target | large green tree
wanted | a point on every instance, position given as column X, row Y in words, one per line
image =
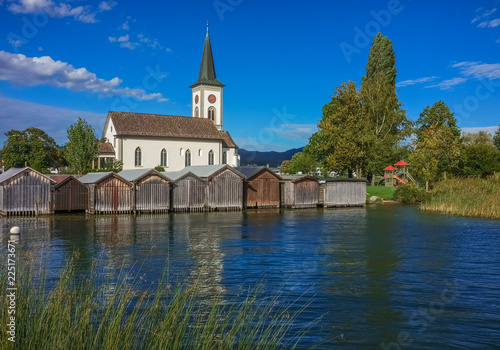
column 480, row 156
column 302, row 162
column 33, row 146
column 385, row 123
column 338, row 144
column 440, row 117
column 82, row 147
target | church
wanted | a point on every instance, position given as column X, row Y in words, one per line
column 142, row 140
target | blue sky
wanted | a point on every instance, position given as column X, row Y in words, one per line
column 280, row 60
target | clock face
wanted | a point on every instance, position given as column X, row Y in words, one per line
column 196, row 99
column 212, row 98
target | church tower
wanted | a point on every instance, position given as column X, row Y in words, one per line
column 207, row 91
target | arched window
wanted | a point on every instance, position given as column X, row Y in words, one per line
column 138, row 156
column 163, row 157
column 211, row 157
column 188, row 158
column 199, row 152
column 224, row 158
column 211, row 113
column 197, row 112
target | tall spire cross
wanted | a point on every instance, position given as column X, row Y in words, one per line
column 207, row 67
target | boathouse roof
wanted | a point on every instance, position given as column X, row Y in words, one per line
column 137, row 174
column 251, row 171
column 15, row 171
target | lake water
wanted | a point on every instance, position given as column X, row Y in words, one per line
column 382, row 277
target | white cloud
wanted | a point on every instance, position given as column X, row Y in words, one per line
column 83, row 13
column 490, row 24
column 40, row 48
column 300, row 132
column 479, row 70
column 32, row 71
column 169, row 50
column 483, row 15
column 129, row 45
column 15, row 43
column 123, row 38
column 415, row 81
column 112, row 39
column 125, row 26
column 53, row 120
column 448, row 84
column 107, row 5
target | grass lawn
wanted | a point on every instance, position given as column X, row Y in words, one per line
column 380, row 191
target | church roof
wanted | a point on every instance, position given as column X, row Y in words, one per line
column 227, row 140
column 106, row 148
column 207, row 68
column 142, row 124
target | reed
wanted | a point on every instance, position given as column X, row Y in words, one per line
column 79, row 312
column 475, row 197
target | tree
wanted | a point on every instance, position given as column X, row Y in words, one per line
column 82, row 147
column 496, row 138
column 385, row 123
column 285, row 167
column 33, row 146
column 481, row 157
column 436, row 145
column 302, row 162
column 437, row 117
column 338, row 143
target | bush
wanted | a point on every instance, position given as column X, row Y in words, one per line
column 159, row 168
column 410, row 194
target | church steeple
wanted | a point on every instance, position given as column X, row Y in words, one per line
column 207, row 91
column 207, row 68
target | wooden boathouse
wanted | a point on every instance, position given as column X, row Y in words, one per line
column 151, row 190
column 109, row 193
column 24, row 191
column 69, row 194
column 187, row 192
column 342, row 192
column 299, row 191
column 261, row 187
column 224, row 186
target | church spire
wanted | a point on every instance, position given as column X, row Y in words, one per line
column 207, row 68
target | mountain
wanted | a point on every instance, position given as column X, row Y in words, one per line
column 271, row 158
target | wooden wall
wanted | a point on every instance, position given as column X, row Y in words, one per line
column 302, row 193
column 263, row 191
column 71, row 195
column 27, row 193
column 344, row 193
column 152, row 194
column 225, row 191
column 111, row 195
column 188, row 194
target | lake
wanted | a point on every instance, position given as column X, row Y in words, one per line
column 382, row 277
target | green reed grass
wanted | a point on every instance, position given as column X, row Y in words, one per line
column 80, row 313
column 467, row 197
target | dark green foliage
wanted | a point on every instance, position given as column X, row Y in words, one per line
column 285, row 167
column 439, row 114
column 382, row 59
column 33, row 146
column 159, row 168
column 82, row 147
column 302, row 162
column 480, row 156
column 410, row 194
column 496, row 138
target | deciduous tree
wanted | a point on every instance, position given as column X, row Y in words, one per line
column 496, row 138
column 82, row 147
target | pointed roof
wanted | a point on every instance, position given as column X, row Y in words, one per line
column 390, row 167
column 401, row 162
column 207, row 68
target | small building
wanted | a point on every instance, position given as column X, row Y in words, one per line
column 24, row 191
column 299, row 191
column 151, row 190
column 389, row 179
column 109, row 193
column 224, row 186
column 342, row 192
column 69, row 194
column 188, row 191
column 261, row 188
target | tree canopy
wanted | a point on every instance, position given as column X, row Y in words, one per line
column 82, row 147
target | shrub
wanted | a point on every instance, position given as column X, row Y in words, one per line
column 159, row 168
column 410, row 194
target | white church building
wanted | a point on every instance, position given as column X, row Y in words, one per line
column 142, row 140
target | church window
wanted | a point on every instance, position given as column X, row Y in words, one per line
column 197, row 112
column 211, row 113
column 211, row 158
column 163, row 157
column 224, row 158
column 188, row 158
column 199, row 152
column 180, row 152
column 138, row 156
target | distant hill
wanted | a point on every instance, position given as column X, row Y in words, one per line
column 272, row 158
